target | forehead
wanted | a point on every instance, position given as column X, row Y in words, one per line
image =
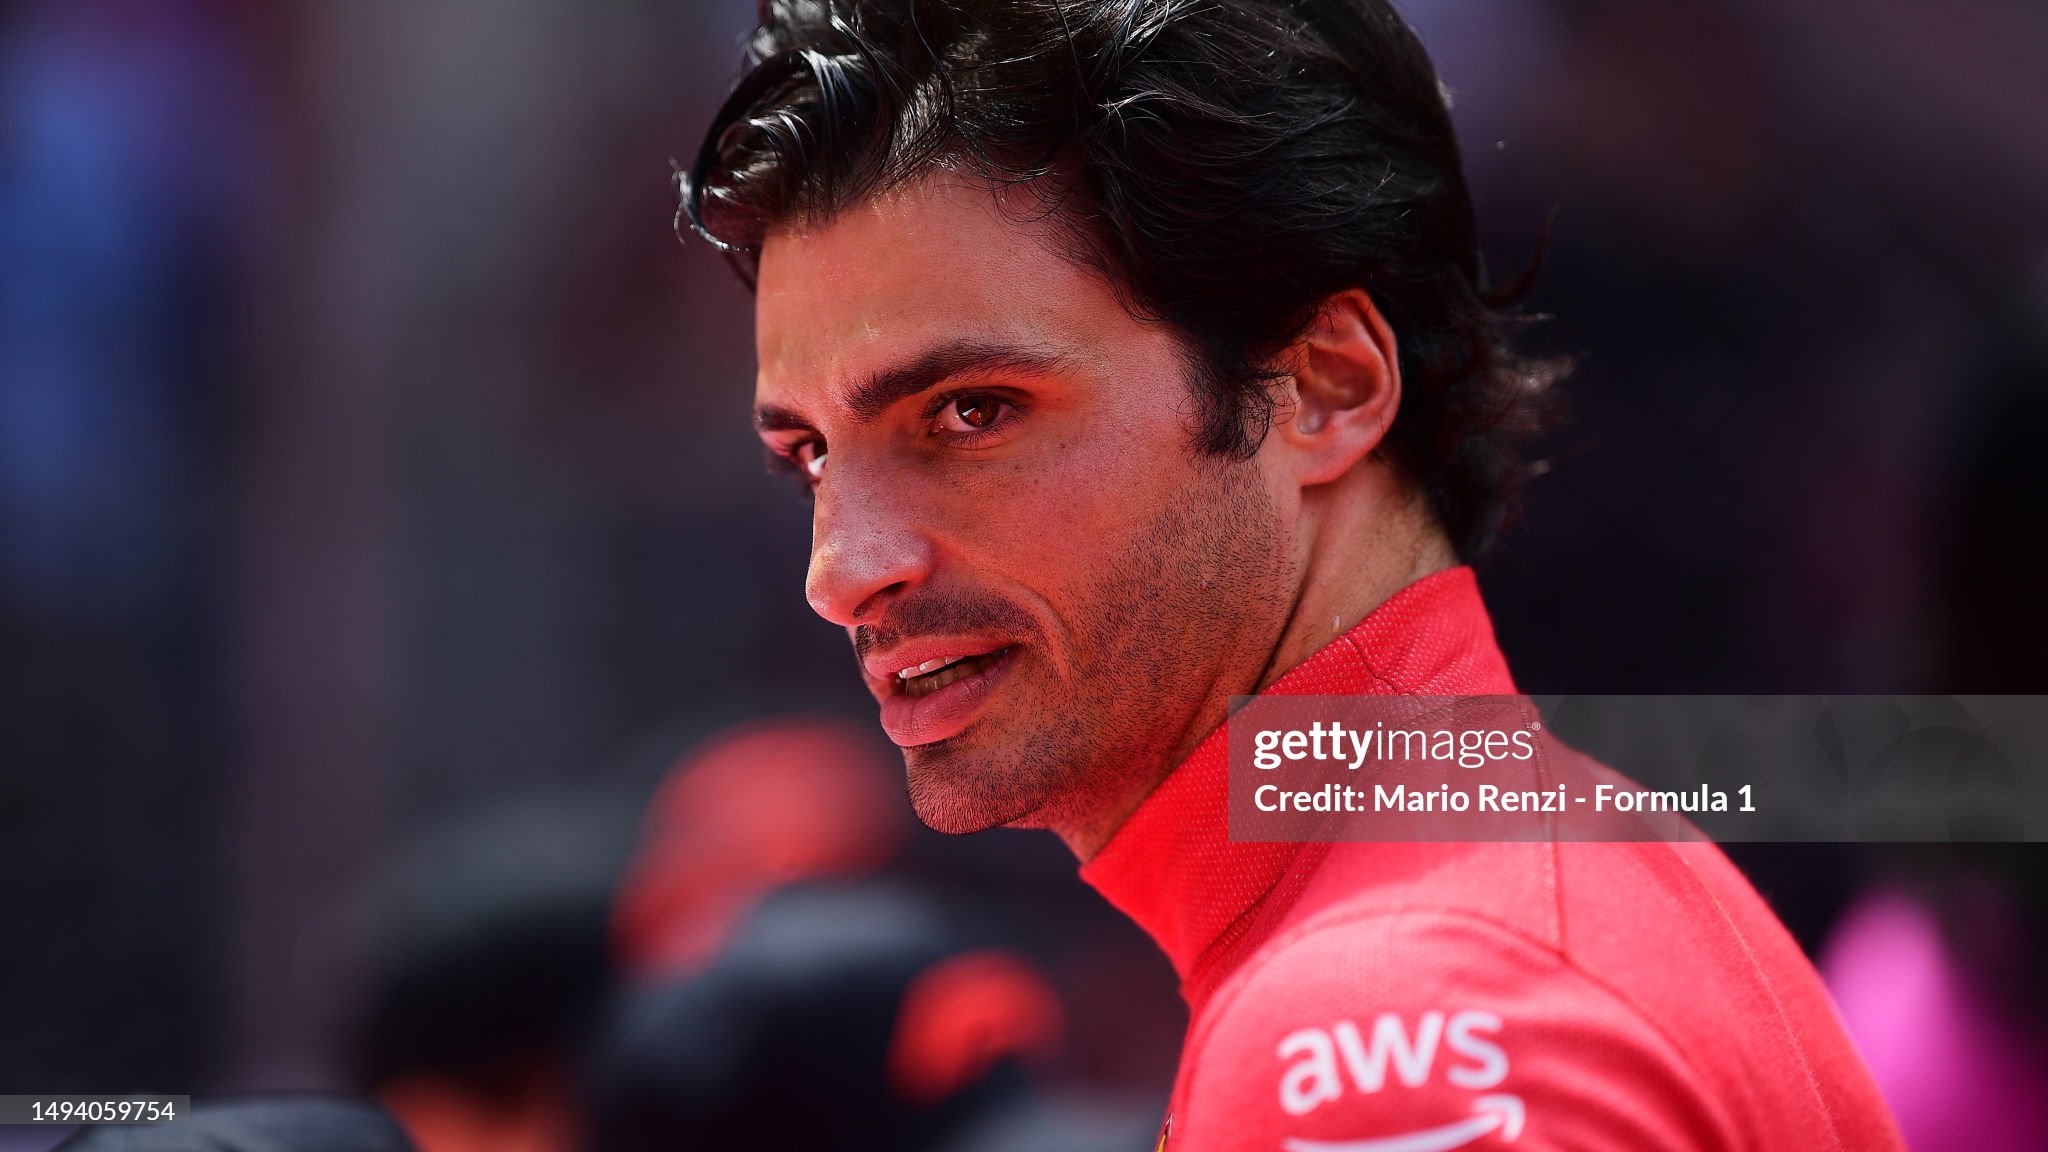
column 935, row 261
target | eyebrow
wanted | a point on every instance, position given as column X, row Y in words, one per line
column 933, row 367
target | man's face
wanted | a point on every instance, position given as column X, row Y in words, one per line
column 1009, row 507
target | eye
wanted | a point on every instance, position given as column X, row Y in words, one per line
column 803, row 460
column 970, row 414
column 809, row 458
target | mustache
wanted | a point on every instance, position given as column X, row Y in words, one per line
column 941, row 613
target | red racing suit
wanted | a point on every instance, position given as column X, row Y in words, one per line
column 1396, row 997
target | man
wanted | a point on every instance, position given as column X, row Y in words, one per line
column 1136, row 355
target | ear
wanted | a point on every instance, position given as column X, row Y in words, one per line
column 1345, row 389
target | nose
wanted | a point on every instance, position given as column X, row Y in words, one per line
column 866, row 548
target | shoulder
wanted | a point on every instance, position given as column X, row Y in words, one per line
column 1388, row 1021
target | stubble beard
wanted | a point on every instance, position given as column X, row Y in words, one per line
column 1175, row 610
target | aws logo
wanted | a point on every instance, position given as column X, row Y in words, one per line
column 1320, row 1062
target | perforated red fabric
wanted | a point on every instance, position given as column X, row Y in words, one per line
column 1416, row 997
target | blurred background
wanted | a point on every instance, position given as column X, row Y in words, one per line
column 383, row 545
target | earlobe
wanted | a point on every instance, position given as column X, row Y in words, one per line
column 1346, row 387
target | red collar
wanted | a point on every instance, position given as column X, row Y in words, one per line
column 1172, row 868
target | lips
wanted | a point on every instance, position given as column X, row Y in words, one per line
column 940, row 695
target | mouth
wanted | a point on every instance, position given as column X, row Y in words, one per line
column 939, row 698
column 933, row 675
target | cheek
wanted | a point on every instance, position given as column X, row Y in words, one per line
column 1061, row 508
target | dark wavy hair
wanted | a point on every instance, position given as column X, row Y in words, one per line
column 1228, row 165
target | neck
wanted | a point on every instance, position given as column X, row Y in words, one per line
column 1367, row 536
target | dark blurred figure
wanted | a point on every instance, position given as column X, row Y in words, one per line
column 843, row 1018
column 790, row 983
column 529, row 989
column 757, row 806
column 266, row 1124
column 488, row 968
column 782, row 799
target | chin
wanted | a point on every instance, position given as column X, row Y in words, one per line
column 950, row 820
column 956, row 791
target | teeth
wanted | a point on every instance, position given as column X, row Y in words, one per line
column 927, row 666
column 933, row 675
